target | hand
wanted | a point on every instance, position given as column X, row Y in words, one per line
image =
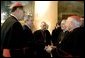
column 6, row 53
column 53, row 47
column 48, row 48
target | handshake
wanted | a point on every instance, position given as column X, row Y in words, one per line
column 49, row 48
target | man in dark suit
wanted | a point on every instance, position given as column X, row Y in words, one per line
column 73, row 43
column 12, row 32
column 28, row 37
column 55, row 34
column 60, row 34
column 42, row 38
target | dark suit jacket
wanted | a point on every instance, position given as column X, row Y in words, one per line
column 73, row 43
column 55, row 34
column 40, row 39
column 11, row 34
column 28, row 37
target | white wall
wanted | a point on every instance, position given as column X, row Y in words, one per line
column 45, row 11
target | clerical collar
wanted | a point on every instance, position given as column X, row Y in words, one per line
column 64, row 30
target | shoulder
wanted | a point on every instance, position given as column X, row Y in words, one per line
column 47, row 31
column 77, row 30
column 17, row 26
column 24, row 27
column 37, row 31
column 10, row 21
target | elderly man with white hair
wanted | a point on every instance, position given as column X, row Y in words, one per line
column 73, row 22
column 42, row 39
column 28, row 37
column 57, row 41
column 73, row 43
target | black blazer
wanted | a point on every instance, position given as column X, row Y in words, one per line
column 28, row 37
column 11, row 33
column 55, row 35
column 73, row 43
column 39, row 37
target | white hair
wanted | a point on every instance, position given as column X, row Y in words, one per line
column 72, row 23
column 77, row 23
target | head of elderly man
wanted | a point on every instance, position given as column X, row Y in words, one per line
column 28, row 20
column 73, row 22
column 44, row 25
column 17, row 10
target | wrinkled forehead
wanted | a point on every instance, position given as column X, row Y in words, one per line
column 69, row 19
